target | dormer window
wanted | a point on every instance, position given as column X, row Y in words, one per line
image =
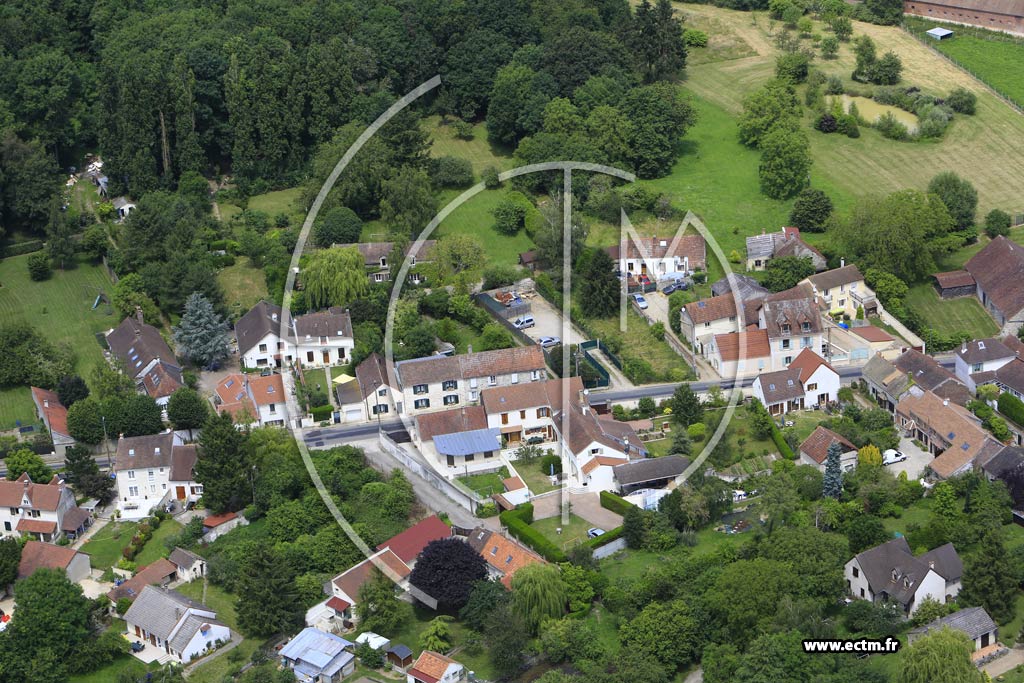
column 806, row 326
column 906, row 582
column 383, row 261
column 785, row 328
column 895, row 575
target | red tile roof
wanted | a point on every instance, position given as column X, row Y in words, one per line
column 872, row 333
column 954, row 278
column 353, row 579
column 337, row 604
column 430, row 667
column 715, row 308
column 807, row 362
column 451, row 421
column 753, row 343
column 37, row 555
column 55, row 415
column 42, row 496
column 817, row 444
column 36, row 526
column 411, row 542
column 154, row 573
column 504, row 554
column 234, row 399
column 216, row 520
column 267, row 390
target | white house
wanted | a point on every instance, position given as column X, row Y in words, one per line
column 323, row 339
column 189, row 565
column 379, row 397
column 431, row 667
column 39, row 511
column 814, row 450
column 658, row 256
column 319, row 657
column 701, row 320
column 345, row 586
column 259, row 342
column 440, row 382
column 890, row 572
column 146, row 358
column 819, row 380
column 740, row 354
column 150, row 470
column 183, row 628
column 780, row 392
column 785, row 242
column 793, row 323
column 252, row 399
column 982, row 355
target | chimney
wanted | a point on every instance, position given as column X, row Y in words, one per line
column 945, row 401
column 138, row 316
column 963, row 347
column 931, row 564
column 46, row 403
column 842, row 262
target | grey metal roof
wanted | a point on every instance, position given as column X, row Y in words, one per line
column 159, row 610
column 760, row 246
column 974, row 621
column 468, row 443
column 188, row 629
column 650, row 469
column 322, row 652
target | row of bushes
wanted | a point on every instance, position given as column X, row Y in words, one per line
column 518, row 521
column 22, row 248
column 142, row 536
column 1012, row 407
column 321, row 413
column 617, row 504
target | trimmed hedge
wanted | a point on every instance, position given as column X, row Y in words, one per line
column 22, row 248
column 780, row 442
column 321, row 413
column 518, row 527
column 605, row 538
column 1012, row 407
column 617, row 504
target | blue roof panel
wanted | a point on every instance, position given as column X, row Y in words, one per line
column 468, row 443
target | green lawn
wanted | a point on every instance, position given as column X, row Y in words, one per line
column 538, row 482
column 280, row 201
column 217, row 599
column 486, row 484
column 995, row 58
column 479, row 151
column 226, row 666
column 474, row 218
column 572, row 533
column 60, row 306
column 951, row 316
column 639, row 342
column 16, row 406
column 155, row 548
column 243, row 286
column 919, row 513
column 113, row 671
column 104, row 548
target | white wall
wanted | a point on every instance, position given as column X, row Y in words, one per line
column 827, row 381
column 200, row 642
column 254, row 357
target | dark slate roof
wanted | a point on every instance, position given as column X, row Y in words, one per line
column 974, row 621
column 74, row 518
column 1012, row 375
column 372, row 374
column 954, row 279
column 183, row 462
column 945, row 561
column 650, row 469
column 140, row 452
column 136, row 344
column 183, row 558
column 159, row 610
column 793, row 307
column 983, row 350
column 929, row 375
column 334, row 322
column 782, row 385
column 747, row 287
column 1007, row 459
column 999, row 270
column 400, row 651
column 261, row 320
column 835, row 277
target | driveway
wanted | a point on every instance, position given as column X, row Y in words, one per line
column 548, row 322
column 917, row 460
column 585, row 505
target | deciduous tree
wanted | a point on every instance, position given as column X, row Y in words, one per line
column 943, row 655
column 687, row 408
column 811, row 210
column 446, row 571
column 24, row 461
column 334, row 277
column 339, row 225
column 70, row 389
column 538, row 593
column 959, row 196
column 186, row 409
column 666, row 631
column 785, row 161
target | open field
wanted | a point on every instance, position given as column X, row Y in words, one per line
column 987, row 149
column 280, row 201
column 479, row 151
column 243, row 286
column 994, row 58
column 16, row 407
column 952, row 316
column 474, row 218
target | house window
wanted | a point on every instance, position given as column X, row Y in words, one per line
column 595, row 451
column 263, row 348
column 787, row 360
column 150, row 473
column 152, row 488
column 842, row 302
column 544, row 412
column 515, row 378
column 14, row 512
column 491, row 380
column 707, row 324
column 382, row 392
column 805, row 343
column 280, row 346
column 472, row 382
column 378, row 277
column 449, row 385
column 133, row 491
column 535, row 375
column 34, row 514
column 419, row 389
column 785, row 328
column 473, row 395
column 812, row 387
column 522, row 414
column 131, row 474
column 380, row 409
column 785, row 344
column 7, row 526
column 421, row 403
column 383, row 261
column 806, row 326
column 309, row 356
column 272, row 407
column 976, row 367
column 261, row 361
column 451, row 399
column 504, row 418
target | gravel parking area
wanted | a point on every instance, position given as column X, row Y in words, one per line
column 548, row 322
column 917, row 460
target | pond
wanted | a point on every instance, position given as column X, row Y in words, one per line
column 872, row 111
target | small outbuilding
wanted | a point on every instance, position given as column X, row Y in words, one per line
column 972, row 621
column 939, row 33
column 955, row 283
column 399, row 657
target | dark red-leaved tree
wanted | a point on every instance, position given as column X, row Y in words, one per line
column 446, row 570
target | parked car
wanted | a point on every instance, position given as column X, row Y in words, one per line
column 644, row 280
column 892, row 456
column 523, row 322
column 594, row 532
column 548, row 342
column 641, row 302
column 677, row 285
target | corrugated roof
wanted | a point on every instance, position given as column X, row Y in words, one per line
column 462, row 419
column 468, row 443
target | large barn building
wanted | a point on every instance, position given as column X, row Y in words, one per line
column 997, row 15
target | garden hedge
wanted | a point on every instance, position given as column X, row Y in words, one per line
column 321, row 413
column 519, row 528
column 605, row 538
column 1012, row 407
column 617, row 504
column 22, row 248
column 780, row 443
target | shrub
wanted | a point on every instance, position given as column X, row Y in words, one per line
column 463, row 129
column 694, row 38
column 962, row 101
column 518, row 526
column 490, row 177
column 834, row 86
column 826, row 123
column 890, row 128
column 39, row 267
column 22, row 248
column 488, row 509
column 449, row 171
column 997, row 222
column 697, row 431
column 1012, row 407
column 123, row 604
column 617, row 504
column 604, row 539
column 321, row 413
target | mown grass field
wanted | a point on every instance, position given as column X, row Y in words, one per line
column 243, row 286
column 987, row 149
column 105, row 546
column 62, row 308
column 995, row 58
column 952, row 316
column 280, row 201
column 474, row 218
column 479, row 151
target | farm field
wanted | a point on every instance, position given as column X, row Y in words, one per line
column 987, row 149
column 993, row 57
column 952, row 316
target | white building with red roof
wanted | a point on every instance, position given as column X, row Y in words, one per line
column 55, row 416
column 40, row 511
column 431, row 667
column 252, row 399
